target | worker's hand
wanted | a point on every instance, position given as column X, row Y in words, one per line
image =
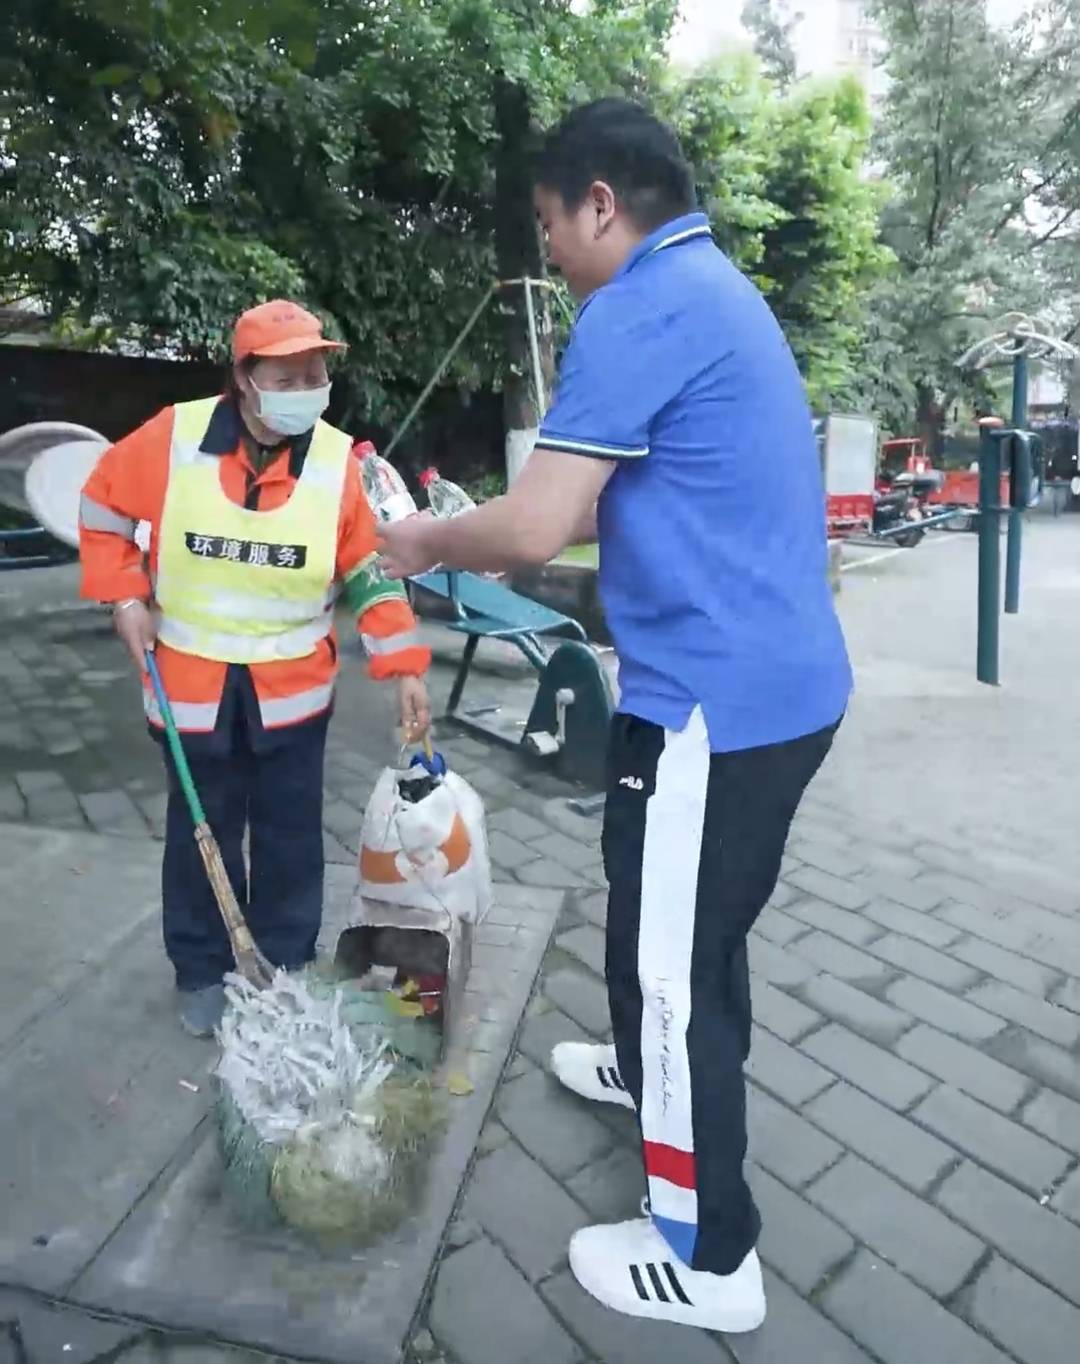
column 137, row 627
column 414, row 708
column 408, row 548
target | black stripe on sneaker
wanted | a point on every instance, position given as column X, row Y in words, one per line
column 642, row 1291
column 657, row 1283
column 680, row 1292
column 616, row 1079
column 602, row 1077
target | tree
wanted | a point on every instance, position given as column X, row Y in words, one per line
column 772, row 24
column 163, row 163
column 979, row 136
column 781, row 178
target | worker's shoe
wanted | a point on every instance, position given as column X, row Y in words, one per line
column 201, row 1010
column 591, row 1071
column 630, row 1268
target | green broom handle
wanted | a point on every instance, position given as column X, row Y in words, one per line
column 176, row 748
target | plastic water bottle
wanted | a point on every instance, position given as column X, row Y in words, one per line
column 445, row 498
column 384, row 487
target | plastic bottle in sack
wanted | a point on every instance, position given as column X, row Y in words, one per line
column 384, row 487
column 446, row 499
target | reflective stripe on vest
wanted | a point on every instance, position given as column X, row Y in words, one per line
column 243, row 586
column 198, row 716
column 392, row 644
column 96, row 516
column 276, row 711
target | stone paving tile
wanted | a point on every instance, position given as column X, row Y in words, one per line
column 615, row 1339
column 1057, row 1118
column 785, row 1072
column 587, row 944
column 840, row 959
column 1067, row 995
column 890, row 1142
column 797, row 1239
column 943, row 1010
column 1021, row 972
column 827, row 857
column 611, row 1188
column 852, row 927
column 1047, row 1020
column 1067, row 1198
column 867, row 1067
column 918, row 959
column 544, row 1031
column 861, row 1012
column 910, row 1233
column 1022, row 1316
column 112, row 812
column 913, row 923
column 581, row 995
column 48, row 1332
column 835, row 890
column 506, row 1323
column 516, row 824
column 778, row 927
column 544, row 872
column 782, row 1015
column 964, row 1067
column 524, row 1210
column 783, row 894
column 776, row 964
column 784, row 1143
column 899, row 1322
column 554, row 1126
column 1035, row 1237
column 794, row 1333
column 567, row 851
column 1020, row 1155
column 509, row 853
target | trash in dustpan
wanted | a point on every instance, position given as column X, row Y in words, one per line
column 326, row 1105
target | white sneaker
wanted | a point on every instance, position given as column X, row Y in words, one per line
column 591, row 1071
column 630, row 1268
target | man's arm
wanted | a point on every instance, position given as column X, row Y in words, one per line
column 552, row 502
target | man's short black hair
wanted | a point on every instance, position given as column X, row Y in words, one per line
column 627, row 147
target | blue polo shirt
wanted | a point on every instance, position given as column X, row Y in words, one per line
column 713, row 554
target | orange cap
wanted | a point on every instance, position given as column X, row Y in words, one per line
column 279, row 328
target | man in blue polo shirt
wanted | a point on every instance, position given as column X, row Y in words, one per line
column 681, row 435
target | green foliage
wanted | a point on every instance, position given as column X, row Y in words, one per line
column 979, row 135
column 781, row 177
column 164, row 164
column 772, row 24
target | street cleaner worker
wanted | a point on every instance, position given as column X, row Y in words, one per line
column 680, row 411
column 258, row 523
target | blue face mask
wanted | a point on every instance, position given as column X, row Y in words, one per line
column 292, row 412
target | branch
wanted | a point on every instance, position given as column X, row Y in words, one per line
column 1047, row 236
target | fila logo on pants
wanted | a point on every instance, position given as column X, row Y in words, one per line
column 674, row 825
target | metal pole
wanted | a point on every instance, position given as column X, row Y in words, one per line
column 534, row 351
column 989, row 557
column 1016, row 523
column 444, row 365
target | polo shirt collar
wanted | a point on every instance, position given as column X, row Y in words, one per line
column 690, row 227
column 226, row 429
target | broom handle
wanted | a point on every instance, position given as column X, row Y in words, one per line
column 176, row 748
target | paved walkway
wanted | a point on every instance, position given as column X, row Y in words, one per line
column 915, row 1078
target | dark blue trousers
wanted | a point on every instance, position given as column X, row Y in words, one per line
column 270, row 784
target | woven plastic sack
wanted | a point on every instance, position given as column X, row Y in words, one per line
column 324, row 1107
column 429, row 854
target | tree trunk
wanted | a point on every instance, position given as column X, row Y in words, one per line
column 930, row 422
column 519, row 256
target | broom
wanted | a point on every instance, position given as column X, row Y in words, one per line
column 250, row 962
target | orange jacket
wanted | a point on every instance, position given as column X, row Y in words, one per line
column 128, row 485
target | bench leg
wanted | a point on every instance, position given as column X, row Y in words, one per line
column 462, row 674
column 531, row 648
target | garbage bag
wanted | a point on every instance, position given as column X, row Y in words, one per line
column 424, row 843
